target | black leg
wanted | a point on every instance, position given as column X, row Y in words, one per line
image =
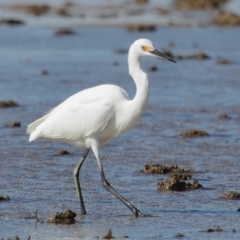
column 95, row 148
column 76, row 180
column 107, row 186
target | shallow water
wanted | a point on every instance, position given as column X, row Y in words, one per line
column 186, row 95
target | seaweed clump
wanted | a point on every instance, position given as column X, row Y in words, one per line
column 199, row 4
column 141, row 28
column 217, row 229
column 194, row 133
column 109, row 235
column 174, row 183
column 227, row 19
column 32, row 9
column 192, row 56
column 231, row 195
column 6, row 104
column 161, row 169
column 67, row 217
column 4, row 198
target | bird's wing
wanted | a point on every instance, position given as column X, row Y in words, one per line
column 77, row 118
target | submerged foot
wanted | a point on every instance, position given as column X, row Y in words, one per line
column 83, row 212
column 137, row 213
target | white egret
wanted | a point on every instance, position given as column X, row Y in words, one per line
column 93, row 116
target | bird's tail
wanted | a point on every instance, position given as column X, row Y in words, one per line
column 34, row 130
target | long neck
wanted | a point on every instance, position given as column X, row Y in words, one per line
column 140, row 100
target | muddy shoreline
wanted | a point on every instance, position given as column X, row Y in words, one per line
column 134, row 16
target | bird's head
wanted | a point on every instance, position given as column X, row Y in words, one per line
column 144, row 47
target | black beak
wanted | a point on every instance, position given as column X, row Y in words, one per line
column 162, row 55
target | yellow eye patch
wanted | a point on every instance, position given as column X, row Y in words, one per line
column 146, row 48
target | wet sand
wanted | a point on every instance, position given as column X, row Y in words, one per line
column 188, row 95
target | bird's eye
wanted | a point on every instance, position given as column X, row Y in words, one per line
column 143, row 48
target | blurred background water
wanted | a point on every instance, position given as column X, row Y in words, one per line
column 39, row 69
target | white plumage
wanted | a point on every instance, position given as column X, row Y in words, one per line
column 88, row 114
column 93, row 116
